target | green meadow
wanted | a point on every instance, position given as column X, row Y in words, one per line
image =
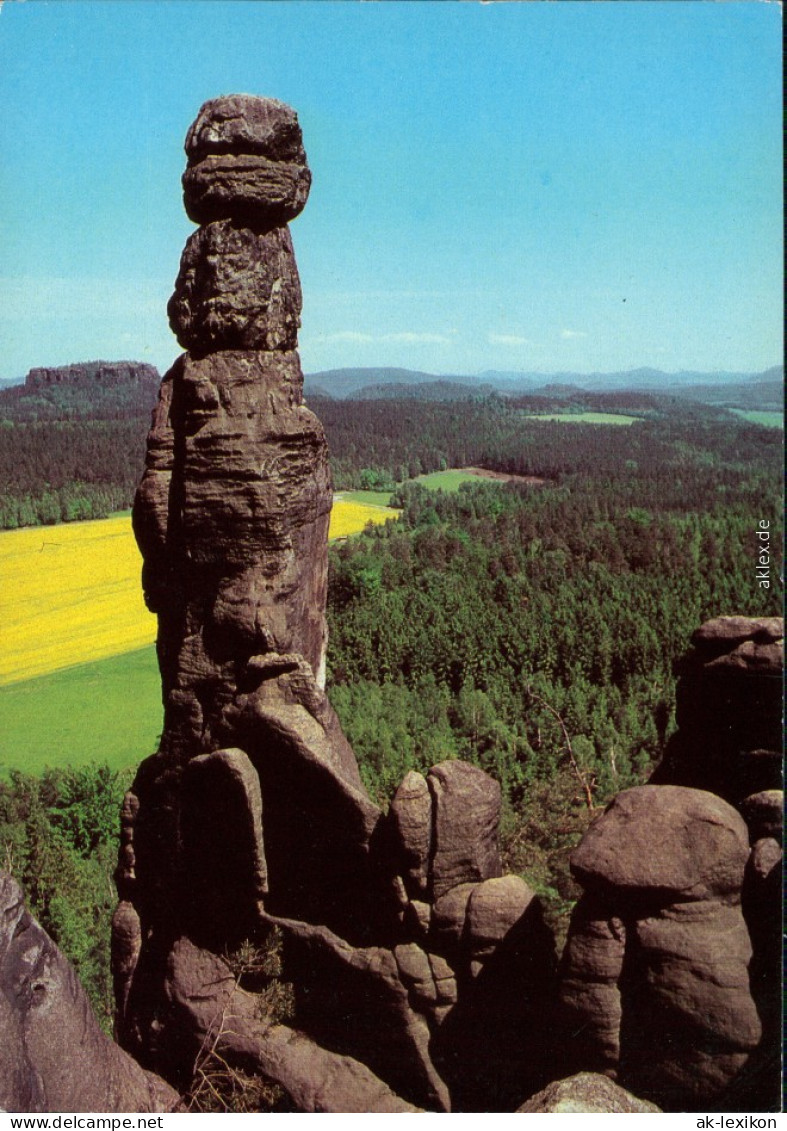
column 365, row 498
column 768, row 419
column 108, row 711
column 449, row 481
column 587, row 417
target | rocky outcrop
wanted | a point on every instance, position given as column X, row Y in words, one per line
column 88, row 374
column 254, row 797
column 53, row 1055
column 729, row 710
column 655, row 977
column 245, row 161
column 585, row 1093
column 729, row 741
column 422, row 977
column 321, row 1081
column 401, row 935
column 238, row 289
column 223, row 1028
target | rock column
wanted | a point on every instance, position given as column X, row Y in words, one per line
column 232, row 513
column 402, row 938
column 254, row 797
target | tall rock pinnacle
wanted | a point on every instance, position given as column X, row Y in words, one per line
column 232, row 518
column 232, row 513
column 252, row 813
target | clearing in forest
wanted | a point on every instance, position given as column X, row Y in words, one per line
column 450, row 480
column 765, row 417
column 586, row 417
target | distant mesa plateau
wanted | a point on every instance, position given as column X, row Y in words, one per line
column 287, row 939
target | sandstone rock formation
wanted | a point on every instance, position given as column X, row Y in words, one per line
column 422, row 977
column 401, row 935
column 729, row 741
column 89, row 374
column 729, row 710
column 53, row 1055
column 586, row 1092
column 105, row 390
column 655, row 979
column 246, row 161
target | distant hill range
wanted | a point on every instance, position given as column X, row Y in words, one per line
column 91, row 390
column 107, row 390
column 736, row 390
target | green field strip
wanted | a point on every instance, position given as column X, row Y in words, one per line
column 106, row 711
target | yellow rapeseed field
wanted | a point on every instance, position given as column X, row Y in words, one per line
column 69, row 594
column 348, row 517
column 72, row 593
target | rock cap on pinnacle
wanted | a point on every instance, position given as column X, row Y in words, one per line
column 246, row 162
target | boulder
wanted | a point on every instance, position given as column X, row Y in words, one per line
column 447, row 922
column 585, row 1093
column 126, row 948
column 466, row 816
column 245, row 161
column 655, row 979
column 237, row 289
column 223, row 855
column 319, row 821
column 495, row 1046
column 493, row 909
column 410, row 825
column 762, row 909
column 675, row 843
column 690, row 979
column 53, row 1055
column 590, row 1010
column 764, row 814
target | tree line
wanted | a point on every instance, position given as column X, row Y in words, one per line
column 59, row 470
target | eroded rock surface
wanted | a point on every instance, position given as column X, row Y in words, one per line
column 655, row 979
column 237, row 289
column 53, row 1055
column 584, row 1093
column 729, row 710
column 245, row 161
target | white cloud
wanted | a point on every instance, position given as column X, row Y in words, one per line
column 508, row 340
column 347, row 336
column 566, row 334
column 406, row 336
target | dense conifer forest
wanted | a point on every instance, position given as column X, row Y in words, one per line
column 65, row 461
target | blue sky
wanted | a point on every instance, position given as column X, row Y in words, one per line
column 518, row 186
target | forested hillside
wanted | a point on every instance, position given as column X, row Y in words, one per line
column 72, row 441
column 75, row 450
column 535, row 630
